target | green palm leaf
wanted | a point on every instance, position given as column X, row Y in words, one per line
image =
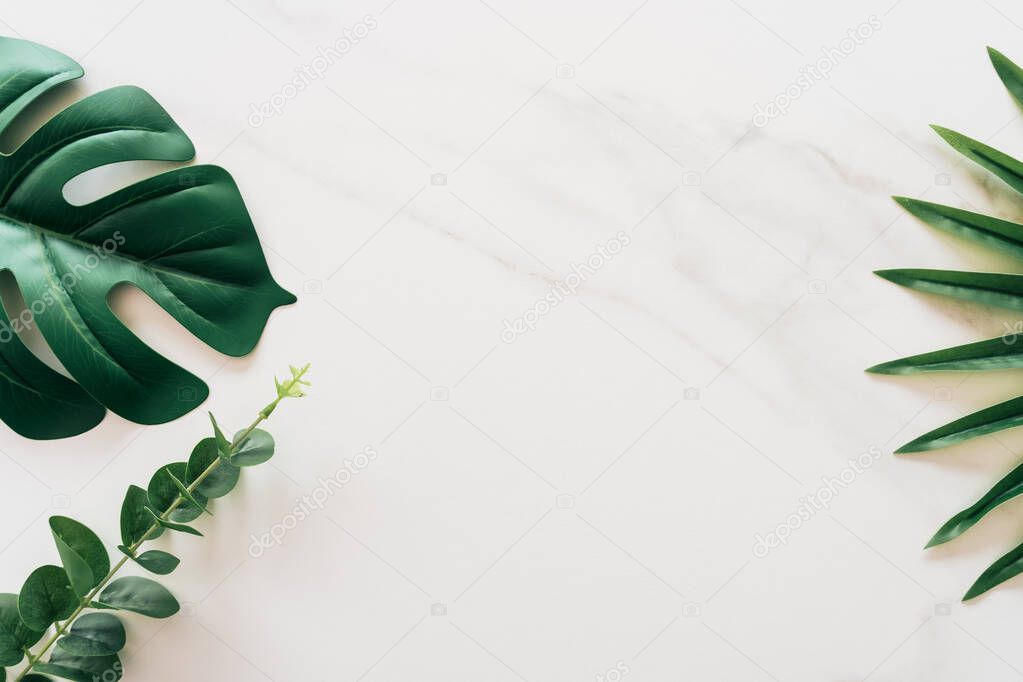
column 1011, row 75
column 992, row 419
column 996, row 289
column 1001, row 353
column 183, row 237
column 1002, row 235
column 1006, row 489
column 988, row 288
column 1001, row 164
column 1008, row 566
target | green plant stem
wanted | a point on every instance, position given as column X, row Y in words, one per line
column 264, row 414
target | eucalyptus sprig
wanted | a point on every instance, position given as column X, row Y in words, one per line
column 72, row 603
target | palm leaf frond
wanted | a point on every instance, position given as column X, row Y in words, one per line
column 1009, row 487
column 994, row 289
column 992, row 419
column 1005, row 352
column 988, row 288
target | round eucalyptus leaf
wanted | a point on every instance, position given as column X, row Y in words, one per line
column 82, row 668
column 140, row 595
column 258, row 447
column 84, row 557
column 157, row 561
column 135, row 519
column 46, row 597
column 94, row 634
column 14, row 635
column 221, row 481
column 163, row 492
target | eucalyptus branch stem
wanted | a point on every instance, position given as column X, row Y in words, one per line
column 62, row 629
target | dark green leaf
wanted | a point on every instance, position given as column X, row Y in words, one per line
column 1004, row 166
column 183, row 237
column 84, row 557
column 31, row 393
column 1001, row 235
column 170, row 525
column 163, row 492
column 256, row 448
column 185, row 493
column 1009, row 566
column 154, row 561
column 1009, row 487
column 82, row 668
column 140, row 595
column 14, row 635
column 94, row 634
column 223, row 445
column 135, row 519
column 221, row 481
column 1011, row 75
column 30, row 70
column 1001, row 353
column 989, row 420
column 46, row 598
column 1005, row 291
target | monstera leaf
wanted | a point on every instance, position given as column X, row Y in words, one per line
column 183, row 237
column 993, row 289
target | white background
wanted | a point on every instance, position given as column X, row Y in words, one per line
column 587, row 496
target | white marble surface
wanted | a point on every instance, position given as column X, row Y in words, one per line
column 585, row 498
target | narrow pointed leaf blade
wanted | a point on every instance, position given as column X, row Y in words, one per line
column 998, row 417
column 187, row 494
column 1001, row 235
column 94, row 634
column 221, row 481
column 1006, row 489
column 1005, row 352
column 258, row 447
column 1001, row 164
column 46, row 597
column 994, row 289
column 170, row 525
column 1007, row 567
column 1011, row 75
column 140, row 595
column 84, row 557
column 223, row 445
